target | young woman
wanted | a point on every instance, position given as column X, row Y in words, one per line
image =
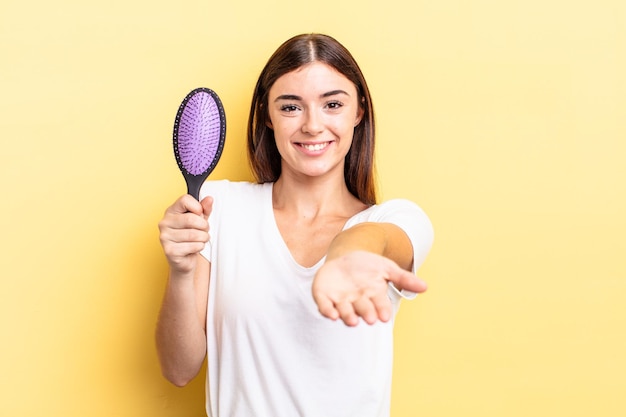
column 292, row 294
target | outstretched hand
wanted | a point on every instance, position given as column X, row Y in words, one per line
column 355, row 285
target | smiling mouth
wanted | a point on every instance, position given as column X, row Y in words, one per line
column 314, row 146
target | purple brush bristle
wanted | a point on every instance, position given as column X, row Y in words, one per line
column 199, row 133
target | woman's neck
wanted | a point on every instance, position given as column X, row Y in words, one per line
column 312, row 197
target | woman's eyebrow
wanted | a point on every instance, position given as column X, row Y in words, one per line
column 288, row 97
column 334, row 93
column 294, row 97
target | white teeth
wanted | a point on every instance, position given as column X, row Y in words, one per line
column 315, row 147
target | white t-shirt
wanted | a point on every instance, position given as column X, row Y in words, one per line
column 270, row 352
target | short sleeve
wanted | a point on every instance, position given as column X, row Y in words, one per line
column 217, row 190
column 414, row 222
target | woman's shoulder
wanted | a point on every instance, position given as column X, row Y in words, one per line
column 405, row 214
column 390, row 208
column 402, row 212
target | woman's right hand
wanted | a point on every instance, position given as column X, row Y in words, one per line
column 184, row 231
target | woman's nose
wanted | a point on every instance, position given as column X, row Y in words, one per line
column 312, row 123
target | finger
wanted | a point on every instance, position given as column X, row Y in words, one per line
column 207, row 206
column 347, row 313
column 182, row 221
column 189, row 235
column 326, row 306
column 406, row 280
column 172, row 237
column 193, row 221
column 364, row 308
column 383, row 306
column 187, row 204
column 182, row 250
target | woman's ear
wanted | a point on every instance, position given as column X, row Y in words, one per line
column 268, row 121
column 359, row 114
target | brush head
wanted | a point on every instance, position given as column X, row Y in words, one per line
column 199, row 133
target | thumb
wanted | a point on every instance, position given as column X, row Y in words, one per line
column 207, row 206
column 186, row 204
column 405, row 280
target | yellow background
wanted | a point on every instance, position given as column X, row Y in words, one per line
column 504, row 120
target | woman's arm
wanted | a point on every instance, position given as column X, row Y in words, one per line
column 360, row 262
column 181, row 327
column 385, row 239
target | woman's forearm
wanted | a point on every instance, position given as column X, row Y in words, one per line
column 180, row 333
column 384, row 239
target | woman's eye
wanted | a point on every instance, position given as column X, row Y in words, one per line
column 334, row 105
column 288, row 108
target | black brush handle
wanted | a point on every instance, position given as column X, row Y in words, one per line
column 194, row 183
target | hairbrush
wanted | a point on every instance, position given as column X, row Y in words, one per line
column 199, row 134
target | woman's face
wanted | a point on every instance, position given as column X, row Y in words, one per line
column 313, row 111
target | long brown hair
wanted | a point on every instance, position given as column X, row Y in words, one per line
column 303, row 49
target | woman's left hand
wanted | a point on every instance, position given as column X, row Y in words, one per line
column 355, row 285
